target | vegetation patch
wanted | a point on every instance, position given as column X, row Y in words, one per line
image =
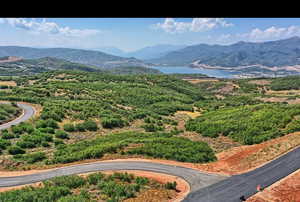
column 91, row 188
column 158, row 145
column 8, row 112
column 248, row 124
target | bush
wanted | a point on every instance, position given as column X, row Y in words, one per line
column 71, row 181
column 171, row 185
column 8, row 136
column 4, row 143
column 80, row 127
column 13, row 150
column 47, row 130
column 95, row 178
column 61, row 134
column 58, row 142
column 152, row 127
column 35, row 157
column 112, row 122
column 69, row 127
column 22, row 128
column 90, row 125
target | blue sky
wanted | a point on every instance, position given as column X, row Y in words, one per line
column 129, row 34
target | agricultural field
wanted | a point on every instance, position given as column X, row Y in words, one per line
column 94, row 187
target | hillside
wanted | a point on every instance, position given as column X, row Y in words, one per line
column 154, row 51
column 33, row 66
column 269, row 54
column 95, row 58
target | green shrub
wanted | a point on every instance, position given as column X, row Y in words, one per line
column 80, row 127
column 152, row 127
column 35, row 157
column 70, row 181
column 13, row 150
column 90, row 125
column 4, row 143
column 8, row 136
column 69, row 127
column 171, row 185
column 95, row 178
column 61, row 134
column 112, row 122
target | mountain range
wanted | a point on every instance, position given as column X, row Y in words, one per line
column 89, row 57
column 270, row 54
column 13, row 66
column 146, row 53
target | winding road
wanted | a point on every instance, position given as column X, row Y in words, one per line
column 28, row 112
column 204, row 187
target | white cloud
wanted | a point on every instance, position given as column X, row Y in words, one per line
column 47, row 27
column 170, row 25
column 271, row 33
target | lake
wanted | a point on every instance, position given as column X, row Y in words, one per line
column 188, row 70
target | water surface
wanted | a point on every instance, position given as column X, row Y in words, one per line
column 188, row 70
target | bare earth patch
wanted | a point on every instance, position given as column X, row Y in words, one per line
column 228, row 88
column 248, row 157
column 8, row 83
column 285, row 190
column 11, row 59
column 280, row 99
column 188, row 113
column 219, row 144
column 283, row 92
column 261, row 82
column 195, row 81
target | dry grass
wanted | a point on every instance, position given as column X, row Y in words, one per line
column 283, row 92
column 261, row 82
column 192, row 115
column 8, row 83
column 195, row 81
column 219, row 144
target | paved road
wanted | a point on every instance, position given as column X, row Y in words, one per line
column 196, row 179
column 29, row 111
column 232, row 188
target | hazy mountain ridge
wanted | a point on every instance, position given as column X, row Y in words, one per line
column 89, row 57
column 154, row 51
column 33, row 66
column 272, row 53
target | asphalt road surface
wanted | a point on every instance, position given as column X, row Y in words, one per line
column 196, row 179
column 29, row 111
column 231, row 189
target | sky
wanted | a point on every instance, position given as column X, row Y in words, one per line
column 130, row 34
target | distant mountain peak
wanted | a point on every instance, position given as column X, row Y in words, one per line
column 284, row 52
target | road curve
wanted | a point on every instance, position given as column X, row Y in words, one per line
column 28, row 112
column 196, row 179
